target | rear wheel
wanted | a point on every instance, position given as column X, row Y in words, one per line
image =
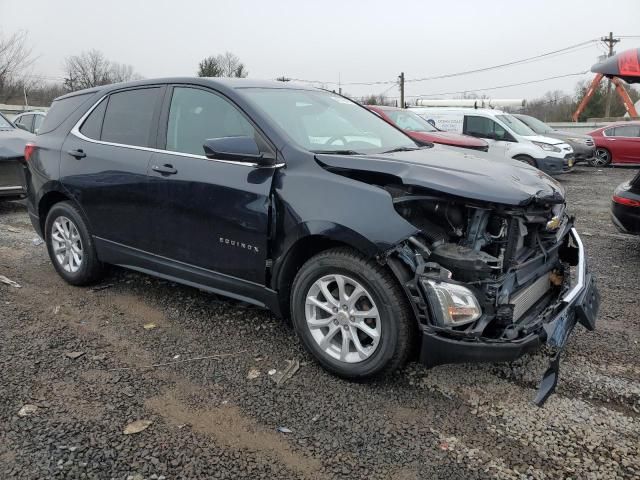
column 602, row 158
column 351, row 314
column 70, row 245
column 526, row 159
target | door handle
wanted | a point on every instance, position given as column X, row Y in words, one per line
column 78, row 154
column 165, row 169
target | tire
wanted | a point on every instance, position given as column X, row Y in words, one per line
column 395, row 324
column 66, row 230
column 526, row 159
column 602, row 158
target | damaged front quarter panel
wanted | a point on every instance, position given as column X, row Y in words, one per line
column 488, row 282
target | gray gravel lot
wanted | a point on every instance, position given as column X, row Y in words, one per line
column 209, row 420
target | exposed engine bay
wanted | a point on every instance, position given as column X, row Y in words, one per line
column 489, row 271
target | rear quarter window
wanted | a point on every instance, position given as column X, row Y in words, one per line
column 60, row 111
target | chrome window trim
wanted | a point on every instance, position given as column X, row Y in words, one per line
column 604, row 132
column 578, row 287
column 75, row 131
column 11, row 187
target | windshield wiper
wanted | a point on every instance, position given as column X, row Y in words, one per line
column 338, row 152
column 403, row 149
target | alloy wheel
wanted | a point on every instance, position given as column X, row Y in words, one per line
column 67, row 245
column 602, row 158
column 343, row 318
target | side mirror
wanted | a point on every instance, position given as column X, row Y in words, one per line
column 238, row 149
column 21, row 127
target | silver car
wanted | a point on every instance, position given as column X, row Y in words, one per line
column 583, row 146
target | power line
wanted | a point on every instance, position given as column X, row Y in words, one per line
column 563, row 51
column 542, row 56
column 499, row 86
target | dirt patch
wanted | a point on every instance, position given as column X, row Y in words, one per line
column 234, row 430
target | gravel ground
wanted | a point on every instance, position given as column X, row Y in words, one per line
column 211, row 419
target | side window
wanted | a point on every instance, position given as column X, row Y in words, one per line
column 499, row 132
column 197, row 115
column 92, row 126
column 609, row 132
column 627, row 131
column 37, row 122
column 128, row 117
column 26, row 121
column 478, row 126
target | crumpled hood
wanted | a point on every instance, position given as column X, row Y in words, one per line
column 469, row 174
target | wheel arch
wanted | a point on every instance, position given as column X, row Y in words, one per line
column 309, row 240
column 46, row 202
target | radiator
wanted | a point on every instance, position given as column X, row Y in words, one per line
column 524, row 299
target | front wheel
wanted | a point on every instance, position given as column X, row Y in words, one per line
column 602, row 158
column 351, row 314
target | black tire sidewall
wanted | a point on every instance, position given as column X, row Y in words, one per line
column 87, row 272
column 366, row 276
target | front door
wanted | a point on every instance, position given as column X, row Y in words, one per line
column 211, row 214
column 489, row 130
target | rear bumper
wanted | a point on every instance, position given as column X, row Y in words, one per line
column 626, row 219
column 12, row 192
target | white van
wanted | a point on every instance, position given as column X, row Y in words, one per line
column 507, row 136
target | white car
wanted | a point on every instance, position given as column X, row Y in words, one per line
column 507, row 136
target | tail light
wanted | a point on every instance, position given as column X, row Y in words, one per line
column 626, row 201
column 29, row 148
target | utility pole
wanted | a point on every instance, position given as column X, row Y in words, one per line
column 401, row 77
column 610, row 42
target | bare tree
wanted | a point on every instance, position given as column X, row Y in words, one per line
column 15, row 57
column 92, row 68
column 226, row 65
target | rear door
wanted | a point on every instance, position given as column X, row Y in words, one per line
column 213, row 214
column 104, row 165
column 627, row 143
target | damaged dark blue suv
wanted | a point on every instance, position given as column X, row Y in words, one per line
column 304, row 202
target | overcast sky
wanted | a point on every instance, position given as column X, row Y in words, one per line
column 327, row 40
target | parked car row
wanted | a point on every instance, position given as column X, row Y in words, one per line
column 507, row 136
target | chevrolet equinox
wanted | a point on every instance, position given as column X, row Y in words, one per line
column 304, row 202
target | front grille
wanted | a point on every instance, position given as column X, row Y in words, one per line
column 524, row 299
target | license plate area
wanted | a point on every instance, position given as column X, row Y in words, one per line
column 588, row 304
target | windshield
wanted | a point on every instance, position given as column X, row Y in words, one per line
column 410, row 121
column 516, row 125
column 535, row 124
column 324, row 122
column 4, row 123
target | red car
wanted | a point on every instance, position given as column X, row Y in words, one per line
column 618, row 144
column 422, row 131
